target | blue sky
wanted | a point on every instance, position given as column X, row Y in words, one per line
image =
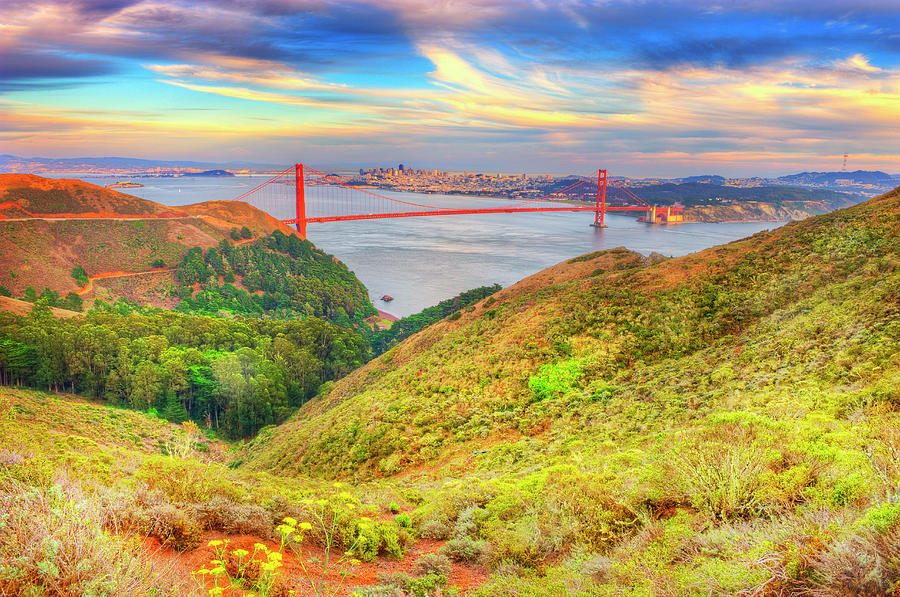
column 639, row 87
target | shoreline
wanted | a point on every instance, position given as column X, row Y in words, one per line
column 389, row 316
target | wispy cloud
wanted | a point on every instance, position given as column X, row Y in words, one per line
column 568, row 80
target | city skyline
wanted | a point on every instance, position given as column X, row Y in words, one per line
column 644, row 89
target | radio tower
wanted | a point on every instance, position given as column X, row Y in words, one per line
column 844, row 167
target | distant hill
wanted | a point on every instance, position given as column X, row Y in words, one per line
column 209, row 173
column 211, row 256
column 12, row 163
column 705, row 178
column 831, row 178
column 701, row 193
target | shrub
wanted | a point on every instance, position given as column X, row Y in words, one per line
column 80, row 275
column 720, row 470
column 433, row 563
column 175, row 527
column 52, row 542
column 866, row 563
column 554, row 379
column 464, row 549
column 434, row 529
column 157, row 263
column 403, row 521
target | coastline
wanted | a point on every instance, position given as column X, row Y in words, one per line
column 385, row 315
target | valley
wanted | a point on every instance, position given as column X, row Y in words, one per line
column 721, row 422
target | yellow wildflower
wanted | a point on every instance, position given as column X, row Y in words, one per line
column 216, row 591
column 258, row 546
column 290, row 521
column 214, row 543
column 240, row 552
column 218, row 570
column 275, row 555
column 305, row 526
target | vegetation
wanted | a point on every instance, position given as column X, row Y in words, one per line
column 280, row 275
column 90, row 492
column 721, row 423
column 233, row 375
column 51, row 298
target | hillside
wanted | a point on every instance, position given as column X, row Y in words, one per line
column 130, row 248
column 748, row 211
column 704, row 194
column 722, row 422
column 111, row 502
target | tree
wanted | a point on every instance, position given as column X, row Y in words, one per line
column 144, row 385
column 73, row 302
column 80, row 275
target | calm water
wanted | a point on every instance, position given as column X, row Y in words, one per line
column 422, row 261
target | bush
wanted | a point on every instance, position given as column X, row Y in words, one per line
column 464, row 549
column 52, row 542
column 157, row 263
column 175, row 527
column 433, row 563
column 403, row 521
column 866, row 563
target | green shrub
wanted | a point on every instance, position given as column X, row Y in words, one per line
column 52, row 542
column 403, row 520
column 554, row 379
column 464, row 549
column 433, row 563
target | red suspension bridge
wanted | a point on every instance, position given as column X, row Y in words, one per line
column 317, row 197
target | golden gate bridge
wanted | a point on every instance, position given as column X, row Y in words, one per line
column 318, row 198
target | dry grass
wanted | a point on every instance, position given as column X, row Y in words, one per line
column 53, row 541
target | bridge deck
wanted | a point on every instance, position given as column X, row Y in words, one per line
column 460, row 212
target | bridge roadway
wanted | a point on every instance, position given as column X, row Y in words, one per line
column 460, row 212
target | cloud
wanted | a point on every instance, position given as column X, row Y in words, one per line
column 17, row 66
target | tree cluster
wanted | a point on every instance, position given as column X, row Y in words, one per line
column 236, row 375
column 280, row 275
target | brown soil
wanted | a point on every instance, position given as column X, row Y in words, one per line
column 302, row 571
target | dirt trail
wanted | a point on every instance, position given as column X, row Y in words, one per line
column 90, row 285
column 89, row 215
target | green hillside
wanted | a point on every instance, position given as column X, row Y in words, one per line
column 721, row 422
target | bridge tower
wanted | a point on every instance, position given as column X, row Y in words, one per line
column 300, row 199
column 600, row 205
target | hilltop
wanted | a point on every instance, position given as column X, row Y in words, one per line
column 723, row 422
column 69, row 236
column 13, row 163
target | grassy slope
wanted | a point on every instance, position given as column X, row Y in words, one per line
column 655, row 332
column 91, row 502
column 692, row 419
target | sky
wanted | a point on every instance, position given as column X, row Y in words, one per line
column 642, row 88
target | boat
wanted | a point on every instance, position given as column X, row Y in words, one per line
column 387, row 298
